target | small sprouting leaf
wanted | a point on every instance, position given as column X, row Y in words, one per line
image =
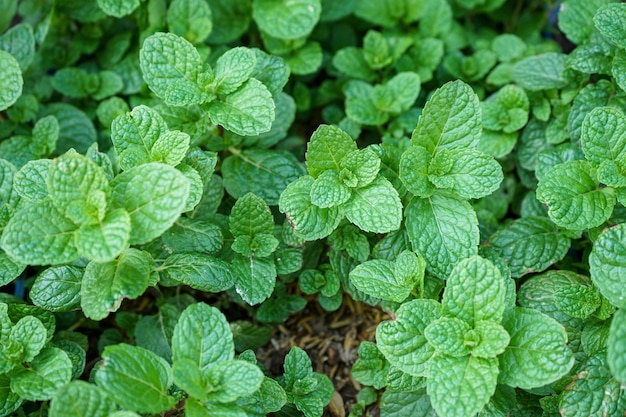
column 451, row 119
column 530, row 244
column 362, row 164
column 203, row 336
column 414, row 165
column 537, row 353
column 487, row 339
column 198, row 270
column 11, row 80
column 31, row 335
column 232, row 379
column 154, row 195
column 170, row 63
column 610, row 21
column 574, row 197
column 58, row 288
column 79, row 398
column 136, row 378
column 375, row 208
column 474, row 292
column 443, row 229
column 308, row 220
column 461, row 386
column 329, row 190
column 49, row 371
column 233, row 69
column 285, row 19
column 607, row 264
column 188, row 377
column 403, row 342
column 446, row 335
column 248, row 111
column 105, row 285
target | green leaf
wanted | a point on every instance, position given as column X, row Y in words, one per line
column 371, row 368
column 461, row 386
column 265, row 173
column 248, row 111
column 31, row 335
column 19, row 41
column 272, row 71
column 232, row 379
column 326, row 149
column 451, row 119
column 540, row 72
column 403, row 342
column 9, row 401
column 255, row 278
column 466, row 172
column 105, row 285
column 105, row 240
column 191, row 19
column 377, row 278
column 607, row 264
column 46, row 134
column 233, row 69
column 309, row 221
column 57, row 288
column 363, row 164
column 414, row 165
column 9, row 269
column 118, row 8
column 155, row 332
column 576, row 20
column 286, row 19
column 154, row 195
column 192, row 235
column 574, row 197
column 38, row 234
column 250, row 216
column 578, row 301
column 297, row 366
column 446, row 335
column 137, row 378
column 48, row 372
column 404, row 87
column 487, row 339
column 329, row 190
column 188, row 377
column 375, row 208
column 616, row 348
column 610, row 21
column 603, row 135
column 537, row 353
column 170, row 66
column 444, row 230
column 199, row 271
column 530, row 244
column 351, row 61
column 79, row 398
column 12, row 81
column 203, row 336
column 376, row 50
column 474, row 292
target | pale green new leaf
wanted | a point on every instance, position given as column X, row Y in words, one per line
column 403, row 342
column 530, row 244
column 170, row 148
column 607, row 264
column 248, row 111
column 377, row 278
column 203, row 336
column 375, row 208
column 537, row 353
column 188, row 377
column 468, row 173
column 38, row 234
column 329, row 190
column 446, row 335
column 105, row 240
column 105, row 285
column 404, row 87
column 11, row 80
column 363, row 164
column 487, row 339
column 255, row 278
column 414, row 165
column 232, row 379
column 451, row 119
column 198, row 270
column 191, row 19
column 80, row 399
column 170, row 63
column 461, row 386
column 48, row 372
column 327, row 148
column 474, row 292
column 574, row 197
column 118, row 8
column 308, row 220
column 444, row 230
column 31, row 335
column 610, row 20
column 286, row 19
column 46, row 134
column 57, row 288
column 233, row 69
column 603, row 135
column 616, row 345
column 250, row 216
column 154, row 195
column 137, row 378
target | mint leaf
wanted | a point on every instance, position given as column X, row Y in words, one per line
column 450, row 119
column 203, row 336
column 79, row 398
column 537, row 353
column 446, row 335
column 105, row 285
column 9, row 269
column 403, row 342
column 606, row 264
column 38, row 234
column 375, row 208
column 362, row 164
column 136, row 378
column 192, row 235
column 248, row 111
column 530, row 244
column 255, row 278
column 19, row 41
column 573, row 195
column 9, row 401
column 49, row 371
column 105, row 240
column 443, row 229
column 461, row 386
column 326, row 149
column 487, row 339
column 603, row 135
column 154, row 195
column 198, row 270
column 609, row 20
column 329, row 190
column 309, row 221
column 378, row 279
column 615, row 345
column 232, row 379
column 12, row 81
column 170, row 66
column 191, row 19
column 286, row 19
column 252, row 225
column 233, row 69
column 414, row 165
column 540, row 72
column 58, row 288
column 118, row 8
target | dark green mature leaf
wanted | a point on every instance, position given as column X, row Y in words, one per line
column 607, row 263
column 58, row 288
